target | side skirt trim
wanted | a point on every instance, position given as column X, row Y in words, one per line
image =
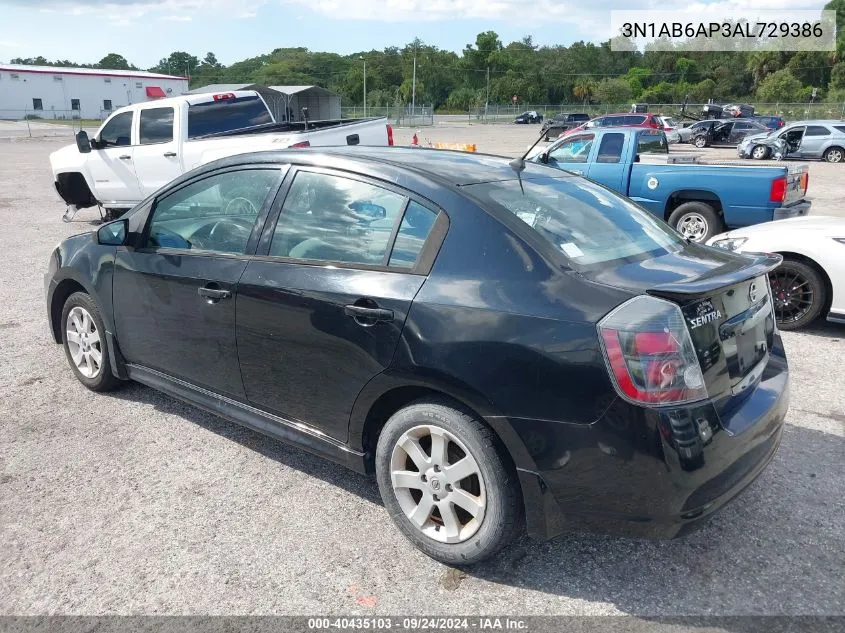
column 289, row 431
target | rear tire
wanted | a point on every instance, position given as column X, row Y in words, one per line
column 697, row 221
column 799, row 294
column 85, row 342
column 416, row 450
column 834, row 155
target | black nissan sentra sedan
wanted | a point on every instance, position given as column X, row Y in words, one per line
column 504, row 349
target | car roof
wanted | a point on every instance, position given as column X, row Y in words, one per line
column 820, row 122
column 447, row 167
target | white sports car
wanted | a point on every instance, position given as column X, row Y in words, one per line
column 811, row 280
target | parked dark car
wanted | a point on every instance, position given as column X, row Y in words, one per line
column 500, row 347
column 771, row 122
column 563, row 122
column 530, row 116
column 720, row 132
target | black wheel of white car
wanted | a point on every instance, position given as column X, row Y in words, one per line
column 84, row 340
column 696, row 221
column 447, row 483
column 799, row 294
column 834, row 155
column 760, row 152
column 700, row 142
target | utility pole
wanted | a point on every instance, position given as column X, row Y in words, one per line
column 414, row 88
column 365, row 85
column 487, row 99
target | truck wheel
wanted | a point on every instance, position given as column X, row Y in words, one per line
column 700, row 142
column 759, row 152
column 696, row 221
column 834, row 155
column 447, row 483
column 85, row 343
column 799, row 294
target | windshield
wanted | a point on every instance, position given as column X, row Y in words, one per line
column 586, row 222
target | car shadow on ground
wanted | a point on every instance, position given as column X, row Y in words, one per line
column 778, row 550
column 827, row 329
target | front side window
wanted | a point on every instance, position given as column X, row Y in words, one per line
column 586, row 222
column 118, row 131
column 226, row 115
column 215, row 214
column 333, row 218
column 575, row 149
column 156, row 126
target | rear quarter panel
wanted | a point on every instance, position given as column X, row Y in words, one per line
column 742, row 191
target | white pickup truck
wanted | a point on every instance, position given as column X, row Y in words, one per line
column 142, row 147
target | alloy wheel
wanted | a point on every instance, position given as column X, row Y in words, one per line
column 84, row 343
column 759, row 152
column 793, row 294
column 438, row 484
column 693, row 226
column 834, row 155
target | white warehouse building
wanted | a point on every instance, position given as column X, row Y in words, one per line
column 49, row 92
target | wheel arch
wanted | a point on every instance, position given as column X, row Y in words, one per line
column 809, row 261
column 64, row 289
column 73, row 188
column 681, row 196
column 841, row 148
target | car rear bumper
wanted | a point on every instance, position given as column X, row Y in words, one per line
column 652, row 473
column 802, row 207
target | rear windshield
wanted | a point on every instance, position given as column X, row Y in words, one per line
column 586, row 222
column 229, row 115
column 580, row 117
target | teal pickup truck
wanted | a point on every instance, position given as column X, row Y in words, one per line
column 700, row 201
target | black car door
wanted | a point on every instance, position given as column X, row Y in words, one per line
column 322, row 306
column 174, row 290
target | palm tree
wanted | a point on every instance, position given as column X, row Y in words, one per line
column 584, row 89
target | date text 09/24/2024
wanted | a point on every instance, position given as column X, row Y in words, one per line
column 418, row 623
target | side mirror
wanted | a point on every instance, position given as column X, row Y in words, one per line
column 113, row 233
column 83, row 143
column 636, row 158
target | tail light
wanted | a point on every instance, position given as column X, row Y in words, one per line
column 390, row 136
column 778, row 192
column 654, row 124
column 805, row 181
column 301, row 144
column 224, row 97
column 649, row 353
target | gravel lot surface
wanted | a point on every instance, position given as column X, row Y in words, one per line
column 136, row 503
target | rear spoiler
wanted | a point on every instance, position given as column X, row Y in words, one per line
column 748, row 266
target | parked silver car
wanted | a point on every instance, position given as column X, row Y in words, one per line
column 824, row 139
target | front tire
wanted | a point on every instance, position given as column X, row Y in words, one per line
column 85, row 343
column 799, row 294
column 759, row 152
column 835, row 155
column 700, row 142
column 447, row 483
column 696, row 221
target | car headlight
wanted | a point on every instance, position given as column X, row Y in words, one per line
column 730, row 243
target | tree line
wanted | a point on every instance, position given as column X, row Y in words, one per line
column 491, row 71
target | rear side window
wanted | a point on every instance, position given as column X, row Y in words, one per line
column 586, row 222
column 156, row 125
column 415, row 227
column 118, row 131
column 610, row 150
column 214, row 117
column 840, row 128
column 634, row 120
column 816, row 130
column 649, row 143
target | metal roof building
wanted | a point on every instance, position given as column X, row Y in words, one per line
column 286, row 102
column 52, row 92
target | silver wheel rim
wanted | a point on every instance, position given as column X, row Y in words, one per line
column 834, row 156
column 83, row 342
column 700, row 142
column 759, row 152
column 438, row 484
column 693, row 226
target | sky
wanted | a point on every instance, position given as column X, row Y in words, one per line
column 144, row 31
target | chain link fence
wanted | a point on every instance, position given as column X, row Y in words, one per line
column 399, row 116
column 506, row 113
column 46, row 123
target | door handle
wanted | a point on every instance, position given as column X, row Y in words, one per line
column 368, row 314
column 169, row 154
column 125, row 157
column 213, row 295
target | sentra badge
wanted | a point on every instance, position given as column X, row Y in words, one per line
column 703, row 314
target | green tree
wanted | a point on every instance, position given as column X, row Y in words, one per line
column 615, row 90
column 837, row 76
column 584, row 89
column 210, row 60
column 781, row 86
column 177, row 63
column 115, row 62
